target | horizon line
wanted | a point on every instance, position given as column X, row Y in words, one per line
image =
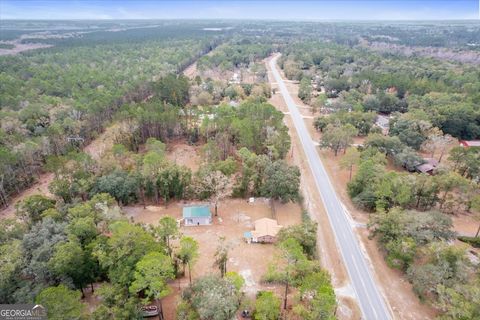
column 235, row 19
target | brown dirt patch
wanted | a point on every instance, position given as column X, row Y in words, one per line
column 104, row 142
column 348, row 309
column 191, row 71
column 235, row 216
column 184, row 154
column 465, row 224
column 21, row 47
column 90, row 299
column 40, row 187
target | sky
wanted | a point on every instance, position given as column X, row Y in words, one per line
column 246, row 9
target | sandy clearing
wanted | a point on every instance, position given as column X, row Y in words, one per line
column 191, row 71
column 104, row 142
column 235, row 217
column 40, row 187
column 465, row 224
column 21, row 47
column 181, row 153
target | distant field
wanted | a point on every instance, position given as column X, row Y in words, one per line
column 6, row 46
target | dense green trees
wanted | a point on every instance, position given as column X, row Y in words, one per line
column 81, row 244
column 305, row 234
column 73, row 175
column 305, row 89
column 256, row 126
column 361, row 187
column 261, row 176
column 123, row 249
column 188, row 254
column 459, row 302
column 338, row 138
column 298, row 268
column 466, row 161
column 443, row 266
column 58, row 99
column 116, row 303
column 11, row 229
column 11, row 258
column 267, row 306
column 120, row 184
column 31, row 208
column 411, row 132
column 417, row 242
column 151, row 275
column 172, row 89
column 364, row 80
column 241, row 52
column 211, row 297
column 362, row 121
column 402, row 231
column 61, row 303
column 70, row 260
column 373, row 187
column 38, row 247
column 316, row 297
column 282, row 182
column 452, row 113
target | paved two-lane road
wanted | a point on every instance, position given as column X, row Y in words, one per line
column 370, row 300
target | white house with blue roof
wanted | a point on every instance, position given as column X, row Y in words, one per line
column 197, row 215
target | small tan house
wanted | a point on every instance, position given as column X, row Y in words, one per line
column 266, row 231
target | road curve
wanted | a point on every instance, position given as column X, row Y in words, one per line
column 371, row 301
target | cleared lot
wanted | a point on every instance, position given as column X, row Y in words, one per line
column 235, row 216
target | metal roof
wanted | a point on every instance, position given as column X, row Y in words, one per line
column 266, row 227
column 196, row 212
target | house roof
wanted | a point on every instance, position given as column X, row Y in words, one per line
column 266, row 227
column 470, row 143
column 382, row 121
column 431, row 161
column 424, row 168
column 428, row 165
column 196, row 212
